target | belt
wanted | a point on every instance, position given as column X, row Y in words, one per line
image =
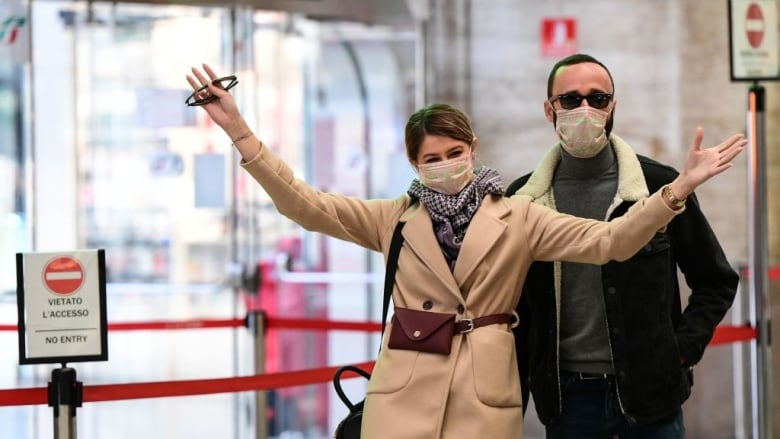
column 464, row 326
column 590, row 376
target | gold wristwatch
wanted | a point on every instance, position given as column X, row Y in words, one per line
column 669, row 195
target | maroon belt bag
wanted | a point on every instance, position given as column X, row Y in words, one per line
column 432, row 332
column 422, row 331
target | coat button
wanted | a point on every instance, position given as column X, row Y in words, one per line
column 461, row 309
column 648, row 247
column 611, row 290
column 427, row 304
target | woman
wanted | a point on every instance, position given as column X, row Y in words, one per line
column 466, row 253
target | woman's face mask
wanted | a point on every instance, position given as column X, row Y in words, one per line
column 581, row 130
column 448, row 176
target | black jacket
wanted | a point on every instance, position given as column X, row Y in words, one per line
column 648, row 331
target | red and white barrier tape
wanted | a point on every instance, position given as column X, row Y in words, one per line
column 723, row 333
column 116, row 392
column 12, row 397
column 271, row 323
column 732, row 334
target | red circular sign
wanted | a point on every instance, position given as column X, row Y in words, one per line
column 63, row 275
column 754, row 25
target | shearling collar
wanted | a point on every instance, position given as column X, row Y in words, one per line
column 631, row 180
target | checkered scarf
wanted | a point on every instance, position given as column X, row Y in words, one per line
column 451, row 214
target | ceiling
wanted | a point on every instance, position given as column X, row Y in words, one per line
column 393, row 13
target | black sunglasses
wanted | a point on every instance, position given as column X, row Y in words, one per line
column 570, row 101
column 226, row 82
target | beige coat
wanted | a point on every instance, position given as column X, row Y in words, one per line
column 475, row 391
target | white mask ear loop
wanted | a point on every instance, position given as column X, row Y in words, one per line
column 477, row 162
column 473, row 153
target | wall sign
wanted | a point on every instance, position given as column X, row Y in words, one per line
column 558, row 36
column 61, row 300
column 753, row 40
column 14, row 31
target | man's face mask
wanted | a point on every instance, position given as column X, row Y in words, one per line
column 582, row 130
column 448, row 176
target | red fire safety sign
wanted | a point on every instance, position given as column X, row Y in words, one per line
column 559, row 36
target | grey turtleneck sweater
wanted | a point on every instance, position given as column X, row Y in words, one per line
column 585, row 188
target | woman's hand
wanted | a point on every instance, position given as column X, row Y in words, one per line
column 223, row 110
column 704, row 163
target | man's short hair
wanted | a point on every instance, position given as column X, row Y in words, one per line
column 577, row 58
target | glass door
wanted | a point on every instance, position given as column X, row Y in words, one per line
column 150, row 181
column 123, row 165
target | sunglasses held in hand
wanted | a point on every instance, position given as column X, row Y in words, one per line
column 225, row 82
column 570, row 101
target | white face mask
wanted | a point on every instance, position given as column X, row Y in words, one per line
column 449, row 176
column 581, row 130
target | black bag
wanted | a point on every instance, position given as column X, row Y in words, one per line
column 349, row 427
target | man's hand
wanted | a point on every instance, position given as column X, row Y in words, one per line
column 705, row 163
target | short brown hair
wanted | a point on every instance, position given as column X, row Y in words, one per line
column 437, row 119
column 577, row 58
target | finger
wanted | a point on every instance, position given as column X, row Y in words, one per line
column 738, row 146
column 721, row 169
column 212, row 87
column 731, row 141
column 729, row 155
column 193, row 83
column 199, row 75
column 210, row 71
column 697, row 138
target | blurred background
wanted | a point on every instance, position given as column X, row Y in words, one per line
column 98, row 150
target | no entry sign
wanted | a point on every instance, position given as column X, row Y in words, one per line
column 754, row 46
column 61, row 299
column 754, row 25
column 63, row 275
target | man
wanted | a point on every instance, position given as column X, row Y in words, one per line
column 606, row 351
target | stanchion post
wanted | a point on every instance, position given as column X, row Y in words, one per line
column 257, row 323
column 65, row 395
column 759, row 282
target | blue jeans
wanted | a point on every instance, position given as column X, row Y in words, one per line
column 591, row 411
